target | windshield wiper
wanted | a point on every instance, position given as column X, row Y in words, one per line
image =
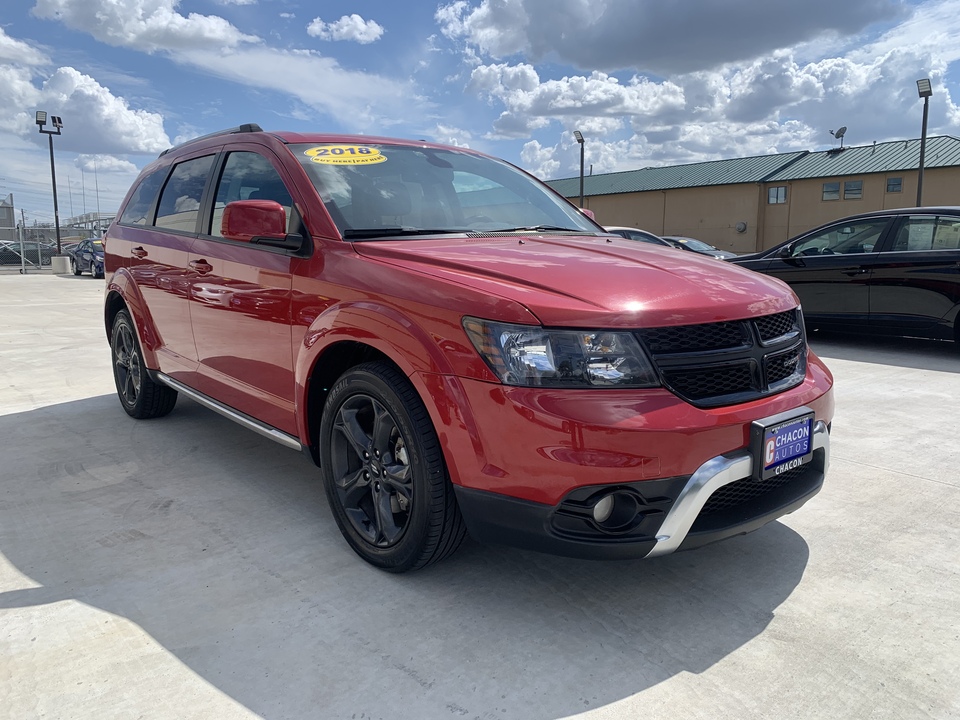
column 382, row 232
column 541, row 228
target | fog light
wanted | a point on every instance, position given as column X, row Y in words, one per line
column 603, row 509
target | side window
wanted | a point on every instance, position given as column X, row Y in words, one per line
column 249, row 176
column 843, row 239
column 927, row 233
column 180, row 200
column 138, row 210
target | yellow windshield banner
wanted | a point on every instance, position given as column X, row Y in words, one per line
column 345, row 155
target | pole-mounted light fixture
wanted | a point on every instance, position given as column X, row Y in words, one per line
column 925, row 90
column 579, row 136
column 57, row 124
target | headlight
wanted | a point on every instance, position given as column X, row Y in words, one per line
column 530, row 355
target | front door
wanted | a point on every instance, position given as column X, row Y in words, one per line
column 240, row 300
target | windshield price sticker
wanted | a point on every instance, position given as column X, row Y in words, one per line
column 345, row 155
column 786, row 445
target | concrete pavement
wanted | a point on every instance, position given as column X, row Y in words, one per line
column 188, row 568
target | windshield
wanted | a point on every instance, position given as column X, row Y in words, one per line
column 375, row 190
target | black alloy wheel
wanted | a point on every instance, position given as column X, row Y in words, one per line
column 383, row 471
column 139, row 395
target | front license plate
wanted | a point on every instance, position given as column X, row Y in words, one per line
column 782, row 444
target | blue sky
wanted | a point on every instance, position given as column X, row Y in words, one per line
column 648, row 83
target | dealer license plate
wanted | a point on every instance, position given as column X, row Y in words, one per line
column 783, row 443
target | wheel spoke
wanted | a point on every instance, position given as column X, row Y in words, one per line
column 348, row 425
column 386, row 527
column 384, row 428
column 354, row 486
column 399, row 478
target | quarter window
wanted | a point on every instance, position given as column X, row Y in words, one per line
column 831, row 191
column 139, row 210
column 180, row 200
column 777, row 195
column 852, row 189
column 894, row 185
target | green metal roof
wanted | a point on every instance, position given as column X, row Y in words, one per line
column 941, row 151
column 716, row 172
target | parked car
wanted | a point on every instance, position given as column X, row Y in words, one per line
column 637, row 234
column 460, row 349
column 892, row 272
column 34, row 253
column 87, row 256
column 698, row 246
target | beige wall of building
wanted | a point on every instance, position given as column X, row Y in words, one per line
column 712, row 213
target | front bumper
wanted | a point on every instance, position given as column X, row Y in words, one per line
column 719, row 500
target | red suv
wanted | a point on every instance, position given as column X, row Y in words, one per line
column 462, row 350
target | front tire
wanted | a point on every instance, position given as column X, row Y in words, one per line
column 383, row 471
column 139, row 395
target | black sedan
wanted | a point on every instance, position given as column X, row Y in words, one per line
column 892, row 272
column 87, row 256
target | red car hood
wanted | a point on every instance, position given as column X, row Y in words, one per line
column 592, row 281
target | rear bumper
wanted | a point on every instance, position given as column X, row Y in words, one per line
column 719, row 500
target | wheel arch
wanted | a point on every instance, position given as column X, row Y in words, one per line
column 353, row 333
column 122, row 294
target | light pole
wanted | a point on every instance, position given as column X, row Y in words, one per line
column 579, row 136
column 57, row 124
column 925, row 91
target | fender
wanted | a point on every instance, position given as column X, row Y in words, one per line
column 401, row 339
column 122, row 284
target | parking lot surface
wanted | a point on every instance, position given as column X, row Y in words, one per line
column 188, row 568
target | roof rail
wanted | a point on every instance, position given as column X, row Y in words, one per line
column 245, row 128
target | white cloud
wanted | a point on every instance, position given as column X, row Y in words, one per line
column 145, row 25
column 350, row 27
column 657, row 37
column 18, row 52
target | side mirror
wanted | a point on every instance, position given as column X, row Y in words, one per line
column 589, row 213
column 261, row 222
column 785, row 252
column 245, row 220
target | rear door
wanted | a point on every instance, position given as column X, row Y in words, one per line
column 240, row 298
column 830, row 270
column 152, row 240
column 915, row 285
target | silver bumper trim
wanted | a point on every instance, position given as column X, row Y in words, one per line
column 715, row 473
column 228, row 412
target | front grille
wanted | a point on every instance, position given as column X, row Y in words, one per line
column 748, row 489
column 692, row 338
column 771, row 327
column 729, row 362
column 703, row 383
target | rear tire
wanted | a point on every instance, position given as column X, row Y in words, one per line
column 383, row 471
column 139, row 395
column 76, row 268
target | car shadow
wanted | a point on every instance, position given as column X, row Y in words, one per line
column 917, row 353
column 220, row 545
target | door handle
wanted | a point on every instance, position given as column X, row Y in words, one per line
column 201, row 266
column 138, row 252
column 857, row 271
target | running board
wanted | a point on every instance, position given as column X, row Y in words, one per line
column 228, row 412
